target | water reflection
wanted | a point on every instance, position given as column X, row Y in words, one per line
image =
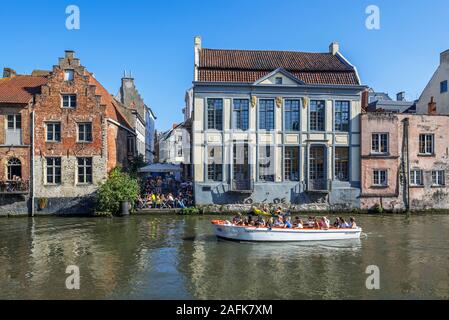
column 178, row 257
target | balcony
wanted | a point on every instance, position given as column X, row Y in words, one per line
column 242, row 186
column 318, row 185
column 14, row 187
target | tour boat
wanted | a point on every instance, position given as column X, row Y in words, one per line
column 226, row 230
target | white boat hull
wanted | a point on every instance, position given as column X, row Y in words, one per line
column 239, row 233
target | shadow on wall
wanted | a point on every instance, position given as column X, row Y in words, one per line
column 14, row 205
column 65, row 206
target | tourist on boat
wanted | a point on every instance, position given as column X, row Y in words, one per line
column 324, row 223
column 260, row 222
column 270, row 223
column 311, row 222
column 343, row 223
column 237, row 218
column 288, row 223
column 337, row 223
column 352, row 223
column 279, row 222
column 299, row 224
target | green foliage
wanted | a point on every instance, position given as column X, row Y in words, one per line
column 190, row 211
column 378, row 208
column 137, row 163
column 120, row 186
column 102, row 214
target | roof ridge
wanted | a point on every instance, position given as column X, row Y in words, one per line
column 266, row 50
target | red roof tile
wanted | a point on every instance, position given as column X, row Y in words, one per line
column 112, row 107
column 20, row 89
column 249, row 66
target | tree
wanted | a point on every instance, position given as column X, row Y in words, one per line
column 120, row 186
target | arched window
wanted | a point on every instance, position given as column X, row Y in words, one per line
column 14, row 169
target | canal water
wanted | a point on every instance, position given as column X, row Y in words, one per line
column 174, row 257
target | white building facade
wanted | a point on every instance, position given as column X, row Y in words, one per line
column 435, row 97
column 275, row 127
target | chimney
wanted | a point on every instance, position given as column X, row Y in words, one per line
column 197, row 56
column 334, row 48
column 69, row 54
column 9, row 73
column 444, row 57
column 432, row 106
column 400, row 96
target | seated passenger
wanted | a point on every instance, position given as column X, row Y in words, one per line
column 279, row 222
column 260, row 222
column 325, row 223
column 237, row 218
column 288, row 223
column 352, row 223
column 299, row 225
column 343, row 224
column 311, row 222
column 337, row 223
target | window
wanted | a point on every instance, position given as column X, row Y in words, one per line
column 14, row 122
column 68, row 75
column 416, row 177
column 266, row 114
column 266, row 163
column 214, row 163
column 291, row 163
column 342, row 163
column 278, row 80
column 342, row 116
column 240, row 114
column 131, row 145
column 53, row 131
column 215, row 114
column 317, row 108
column 69, row 101
column 85, row 132
column 426, row 144
column 438, row 177
column 380, row 178
column 84, row 170
column 379, row 143
column 53, row 170
column 291, row 114
column 180, row 152
column 14, row 169
column 443, row 86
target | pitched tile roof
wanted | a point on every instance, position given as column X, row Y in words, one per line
column 247, row 66
column 112, row 105
column 20, row 89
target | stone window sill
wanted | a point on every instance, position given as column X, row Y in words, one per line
column 379, row 187
column 417, row 186
column 437, row 186
column 429, row 155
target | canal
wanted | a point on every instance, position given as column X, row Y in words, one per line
column 174, row 257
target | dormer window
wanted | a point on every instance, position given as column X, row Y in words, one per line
column 68, row 75
column 278, row 80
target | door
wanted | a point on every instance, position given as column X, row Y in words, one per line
column 241, row 170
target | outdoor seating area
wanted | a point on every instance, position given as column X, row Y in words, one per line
column 165, row 193
column 14, row 186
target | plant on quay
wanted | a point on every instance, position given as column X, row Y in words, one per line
column 136, row 163
column 119, row 187
column 190, row 211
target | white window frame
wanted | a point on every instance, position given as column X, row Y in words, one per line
column 438, row 179
column 416, row 177
column 70, row 95
column 69, row 74
column 379, row 137
column 54, row 132
column 426, row 142
column 379, row 182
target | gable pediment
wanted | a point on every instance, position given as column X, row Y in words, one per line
column 286, row 78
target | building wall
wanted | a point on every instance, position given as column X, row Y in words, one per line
column 65, row 196
column 399, row 191
column 22, row 151
column 171, row 145
column 149, row 136
column 433, row 89
column 339, row 193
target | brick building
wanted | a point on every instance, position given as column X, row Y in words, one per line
column 404, row 161
column 79, row 133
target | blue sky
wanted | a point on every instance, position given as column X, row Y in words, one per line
column 154, row 39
